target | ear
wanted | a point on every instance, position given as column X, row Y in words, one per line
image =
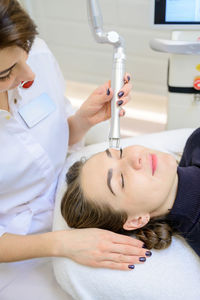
column 133, row 223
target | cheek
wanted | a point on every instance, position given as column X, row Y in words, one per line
column 148, row 191
column 138, row 186
column 8, row 84
column 4, row 86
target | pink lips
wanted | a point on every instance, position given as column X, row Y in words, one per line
column 154, row 163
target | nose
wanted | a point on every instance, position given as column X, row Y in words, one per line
column 26, row 73
column 135, row 161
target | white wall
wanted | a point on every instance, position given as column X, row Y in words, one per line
column 64, row 26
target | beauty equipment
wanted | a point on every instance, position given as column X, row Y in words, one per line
column 118, row 69
column 183, row 17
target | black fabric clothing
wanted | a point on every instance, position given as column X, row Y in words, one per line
column 185, row 213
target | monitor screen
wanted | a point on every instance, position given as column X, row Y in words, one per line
column 177, row 12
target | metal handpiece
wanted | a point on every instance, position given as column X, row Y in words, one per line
column 118, row 70
column 116, row 84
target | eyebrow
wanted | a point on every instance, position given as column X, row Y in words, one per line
column 108, row 153
column 110, row 171
column 7, row 70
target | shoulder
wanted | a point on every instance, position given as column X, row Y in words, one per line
column 191, row 153
column 40, row 53
column 194, row 140
column 39, row 46
column 40, row 56
column 195, row 134
column 45, row 66
column 42, row 61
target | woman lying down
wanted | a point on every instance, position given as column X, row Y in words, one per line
column 138, row 190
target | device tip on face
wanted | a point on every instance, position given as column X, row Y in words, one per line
column 114, row 143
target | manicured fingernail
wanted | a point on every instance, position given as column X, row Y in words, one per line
column 142, row 259
column 131, row 267
column 120, row 102
column 144, row 246
column 148, row 253
column 120, row 94
column 108, row 92
column 129, row 78
column 123, row 113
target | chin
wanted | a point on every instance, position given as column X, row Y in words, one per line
column 173, row 167
column 171, row 159
column 170, row 164
column 173, row 162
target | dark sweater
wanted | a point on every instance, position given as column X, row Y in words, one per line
column 185, row 213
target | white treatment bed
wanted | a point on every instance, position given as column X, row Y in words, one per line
column 173, row 273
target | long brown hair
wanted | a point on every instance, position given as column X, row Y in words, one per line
column 16, row 27
column 80, row 212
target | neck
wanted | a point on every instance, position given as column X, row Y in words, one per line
column 169, row 202
column 4, row 101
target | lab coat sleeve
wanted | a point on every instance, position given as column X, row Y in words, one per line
column 69, row 110
column 78, row 146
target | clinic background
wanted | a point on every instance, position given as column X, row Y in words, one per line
column 63, row 24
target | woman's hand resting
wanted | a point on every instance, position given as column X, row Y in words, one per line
column 100, row 248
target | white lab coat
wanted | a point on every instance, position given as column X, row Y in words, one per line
column 31, row 159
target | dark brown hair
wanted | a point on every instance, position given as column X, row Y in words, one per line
column 16, row 27
column 80, row 212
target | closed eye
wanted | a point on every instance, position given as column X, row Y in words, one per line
column 6, row 71
column 6, row 77
column 122, row 177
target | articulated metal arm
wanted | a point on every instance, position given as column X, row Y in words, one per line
column 118, row 70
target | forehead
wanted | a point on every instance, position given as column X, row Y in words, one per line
column 94, row 165
column 94, row 175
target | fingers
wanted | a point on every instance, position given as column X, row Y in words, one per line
column 122, row 112
column 123, row 93
column 125, row 90
column 129, row 260
column 124, row 100
column 103, row 89
column 129, row 250
column 117, row 238
column 127, row 77
column 121, row 262
column 103, row 93
column 116, row 266
column 118, row 260
column 106, row 91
